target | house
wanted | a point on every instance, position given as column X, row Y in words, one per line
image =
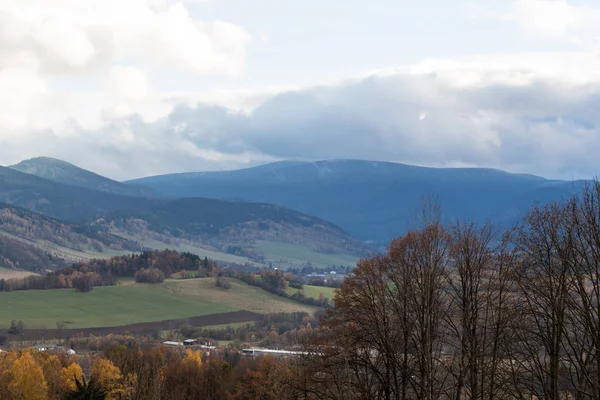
column 170, row 343
column 45, row 347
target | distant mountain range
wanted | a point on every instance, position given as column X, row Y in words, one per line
column 286, row 213
column 372, row 200
column 93, row 216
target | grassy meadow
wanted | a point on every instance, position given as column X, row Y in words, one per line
column 314, row 291
column 295, row 255
column 130, row 303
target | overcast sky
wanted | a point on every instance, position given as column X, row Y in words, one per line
column 130, row 88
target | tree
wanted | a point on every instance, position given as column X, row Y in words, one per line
column 60, row 326
column 544, row 241
column 70, row 376
column 109, row 378
column 28, row 381
column 89, row 390
column 192, row 359
column 270, row 381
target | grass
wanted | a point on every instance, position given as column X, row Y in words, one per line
column 241, row 296
column 104, row 306
column 130, row 302
column 294, row 255
column 233, row 325
column 314, row 291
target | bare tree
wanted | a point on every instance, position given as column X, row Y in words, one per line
column 545, row 242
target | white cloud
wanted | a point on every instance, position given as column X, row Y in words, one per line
column 70, row 35
column 128, row 83
column 92, row 61
column 558, row 19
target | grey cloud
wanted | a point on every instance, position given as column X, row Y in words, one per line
column 544, row 127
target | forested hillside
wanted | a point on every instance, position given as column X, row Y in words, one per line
column 372, row 200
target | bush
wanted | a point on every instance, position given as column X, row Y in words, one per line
column 149, row 275
column 84, row 283
column 222, row 282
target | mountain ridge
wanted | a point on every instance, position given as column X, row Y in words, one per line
column 370, row 199
column 66, row 173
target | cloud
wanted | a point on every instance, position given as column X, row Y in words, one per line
column 512, row 113
column 576, row 23
column 66, row 36
column 67, row 63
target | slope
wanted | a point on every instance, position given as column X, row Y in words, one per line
column 202, row 224
column 234, row 228
column 371, row 200
column 66, row 202
column 35, row 242
column 63, row 172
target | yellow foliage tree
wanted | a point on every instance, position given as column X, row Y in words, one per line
column 109, row 377
column 192, row 358
column 7, row 360
column 28, row 381
column 69, row 375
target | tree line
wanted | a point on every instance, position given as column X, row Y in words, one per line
column 140, row 372
column 465, row 312
column 148, row 266
column 276, row 282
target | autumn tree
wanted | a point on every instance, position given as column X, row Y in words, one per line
column 269, row 381
column 70, row 376
column 109, row 378
column 28, row 382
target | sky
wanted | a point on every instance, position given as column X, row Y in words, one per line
column 131, row 88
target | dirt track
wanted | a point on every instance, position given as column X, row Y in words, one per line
column 146, row 327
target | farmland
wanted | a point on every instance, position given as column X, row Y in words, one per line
column 132, row 303
column 295, row 255
column 314, row 291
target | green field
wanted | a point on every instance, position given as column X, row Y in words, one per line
column 314, row 291
column 241, row 296
column 294, row 255
column 130, row 303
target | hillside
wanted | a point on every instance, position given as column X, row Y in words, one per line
column 371, row 200
column 232, row 227
column 66, row 202
column 223, row 230
column 35, row 242
column 63, row 172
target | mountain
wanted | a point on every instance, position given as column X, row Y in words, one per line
column 62, row 172
column 371, row 200
column 34, row 242
column 223, row 230
column 65, row 202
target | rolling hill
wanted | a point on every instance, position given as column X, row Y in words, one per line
column 35, row 242
column 223, row 230
column 63, row 172
column 374, row 201
column 65, row 202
